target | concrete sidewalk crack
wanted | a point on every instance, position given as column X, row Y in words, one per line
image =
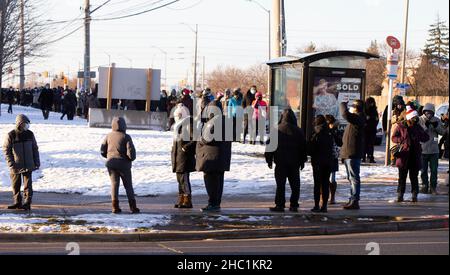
column 170, row 249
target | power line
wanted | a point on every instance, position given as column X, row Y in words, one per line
column 136, row 14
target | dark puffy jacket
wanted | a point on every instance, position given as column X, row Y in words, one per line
column 409, row 138
column 372, row 121
column 21, row 149
column 188, row 103
column 70, row 100
column 183, row 152
column 353, row 139
column 213, row 156
column 10, row 95
column 320, row 147
column 118, row 147
column 291, row 150
column 46, row 99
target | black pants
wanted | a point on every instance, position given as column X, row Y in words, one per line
column 214, row 187
column 246, row 126
column 370, row 145
column 126, row 176
column 321, row 175
column 413, row 176
column 292, row 174
column 10, row 110
column 184, row 184
column 45, row 113
column 16, row 180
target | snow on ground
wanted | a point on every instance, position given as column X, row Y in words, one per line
column 71, row 163
column 81, row 224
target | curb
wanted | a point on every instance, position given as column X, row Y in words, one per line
column 160, row 236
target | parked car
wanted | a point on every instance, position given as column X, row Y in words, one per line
column 380, row 134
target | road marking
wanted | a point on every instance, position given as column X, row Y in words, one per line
column 170, row 249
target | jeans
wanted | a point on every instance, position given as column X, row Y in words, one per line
column 184, row 184
column 353, row 167
column 431, row 161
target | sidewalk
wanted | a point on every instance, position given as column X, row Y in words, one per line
column 67, row 217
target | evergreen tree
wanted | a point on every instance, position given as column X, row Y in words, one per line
column 437, row 46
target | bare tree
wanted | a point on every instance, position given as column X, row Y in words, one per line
column 231, row 77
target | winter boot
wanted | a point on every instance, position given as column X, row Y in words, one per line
column 333, row 189
column 316, row 209
column 15, row 206
column 433, row 191
column 424, row 190
column 26, row 206
column 186, row 202
column 179, row 202
column 115, row 207
column 415, row 198
column 354, row 205
column 133, row 207
column 372, row 160
column 277, row 209
column 401, row 198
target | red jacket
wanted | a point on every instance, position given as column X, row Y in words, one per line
column 408, row 138
column 256, row 112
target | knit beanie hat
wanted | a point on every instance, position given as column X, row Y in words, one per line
column 411, row 113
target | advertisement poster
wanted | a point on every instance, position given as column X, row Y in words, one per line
column 330, row 92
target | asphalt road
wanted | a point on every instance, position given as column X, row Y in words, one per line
column 434, row 242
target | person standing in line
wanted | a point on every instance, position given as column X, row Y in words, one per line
column 183, row 156
column 46, row 101
column 289, row 158
column 353, row 148
column 430, row 149
column 247, row 102
column 259, row 116
column 407, row 137
column 320, row 148
column 10, row 97
column 372, row 119
column 235, row 113
column 337, row 136
column 22, row 157
column 118, row 149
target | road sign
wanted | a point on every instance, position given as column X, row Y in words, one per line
column 404, row 86
column 392, row 66
column 393, row 42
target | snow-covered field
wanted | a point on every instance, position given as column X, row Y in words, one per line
column 71, row 162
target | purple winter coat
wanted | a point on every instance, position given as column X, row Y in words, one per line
column 409, row 137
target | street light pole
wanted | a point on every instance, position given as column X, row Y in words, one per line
column 270, row 24
column 405, row 41
column 196, row 57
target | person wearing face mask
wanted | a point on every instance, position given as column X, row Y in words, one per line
column 22, row 157
column 372, row 118
column 235, row 112
column 430, row 149
column 408, row 136
column 353, row 148
column 247, row 102
column 260, row 110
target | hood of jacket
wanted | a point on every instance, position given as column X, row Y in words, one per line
column 288, row 117
column 119, row 125
column 429, row 107
column 20, row 120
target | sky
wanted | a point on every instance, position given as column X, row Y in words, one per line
column 231, row 32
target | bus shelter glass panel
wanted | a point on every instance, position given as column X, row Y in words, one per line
column 330, row 92
column 343, row 62
column 288, row 89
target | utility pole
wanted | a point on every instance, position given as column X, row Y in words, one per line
column 87, row 46
column 283, row 30
column 22, row 46
column 276, row 28
column 204, row 72
column 405, row 41
column 196, row 57
column 2, row 28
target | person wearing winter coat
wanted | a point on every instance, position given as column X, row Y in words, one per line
column 289, row 158
column 370, row 136
column 70, row 105
column 187, row 101
column 247, row 101
column 22, row 157
column 46, row 101
column 235, row 112
column 408, row 136
column 10, row 97
column 118, row 149
column 337, row 136
column 353, row 148
column 259, row 116
column 183, row 157
column 430, row 149
column 320, row 148
column 213, row 158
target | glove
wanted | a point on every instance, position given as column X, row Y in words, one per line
column 270, row 165
column 302, row 166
